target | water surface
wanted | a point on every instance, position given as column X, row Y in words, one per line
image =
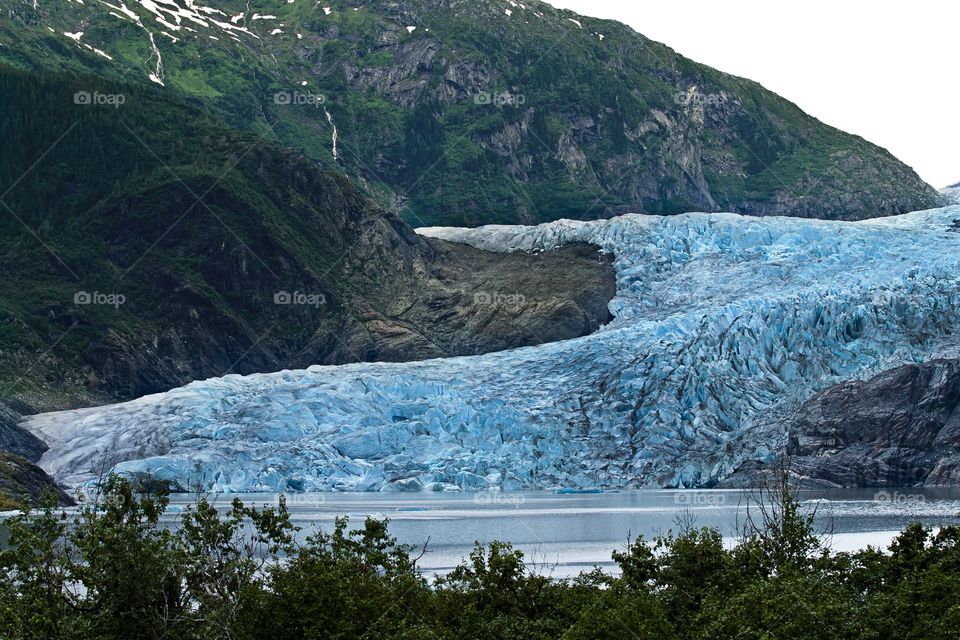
column 564, row 534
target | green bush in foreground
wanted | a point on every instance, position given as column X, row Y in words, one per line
column 122, row 570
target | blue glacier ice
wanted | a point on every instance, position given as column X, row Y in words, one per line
column 722, row 326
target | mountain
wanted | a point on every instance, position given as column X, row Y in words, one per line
column 465, row 112
column 151, row 245
column 724, row 327
column 190, row 192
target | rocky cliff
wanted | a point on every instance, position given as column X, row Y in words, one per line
column 900, row 428
column 22, row 482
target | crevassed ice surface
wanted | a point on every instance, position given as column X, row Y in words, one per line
column 723, row 326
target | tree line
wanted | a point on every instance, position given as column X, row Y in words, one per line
column 117, row 569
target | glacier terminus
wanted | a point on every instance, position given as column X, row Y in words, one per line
column 723, row 325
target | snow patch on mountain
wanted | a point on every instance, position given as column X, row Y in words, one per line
column 171, row 16
column 723, row 326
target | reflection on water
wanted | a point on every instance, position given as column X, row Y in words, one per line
column 563, row 534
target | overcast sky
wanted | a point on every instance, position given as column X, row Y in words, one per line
column 884, row 70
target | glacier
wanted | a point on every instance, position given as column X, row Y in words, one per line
column 723, row 325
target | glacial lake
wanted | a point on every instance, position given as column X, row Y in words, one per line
column 564, row 534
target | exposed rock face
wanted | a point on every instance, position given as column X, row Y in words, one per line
column 445, row 299
column 395, row 296
column 901, row 428
column 402, row 298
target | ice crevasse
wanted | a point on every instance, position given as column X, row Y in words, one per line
column 723, row 325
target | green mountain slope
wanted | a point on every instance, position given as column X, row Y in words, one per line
column 146, row 244
column 477, row 111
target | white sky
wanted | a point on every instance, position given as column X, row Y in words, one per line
column 887, row 71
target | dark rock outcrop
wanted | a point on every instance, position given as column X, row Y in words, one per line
column 14, row 439
column 20, row 478
column 21, row 481
column 445, row 299
column 900, row 428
